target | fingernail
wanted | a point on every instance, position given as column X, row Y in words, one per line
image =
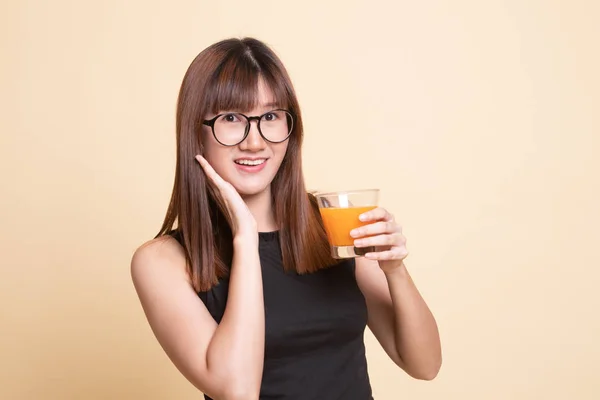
column 354, row 232
column 362, row 217
column 358, row 243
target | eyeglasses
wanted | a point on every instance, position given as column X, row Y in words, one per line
column 230, row 129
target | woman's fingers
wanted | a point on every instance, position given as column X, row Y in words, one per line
column 394, row 239
column 210, row 172
column 375, row 229
column 377, row 214
column 226, row 189
column 395, row 253
column 241, row 218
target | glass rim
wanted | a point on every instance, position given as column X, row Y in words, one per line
column 342, row 192
column 212, row 123
column 216, row 136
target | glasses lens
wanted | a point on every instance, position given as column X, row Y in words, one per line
column 277, row 125
column 230, row 128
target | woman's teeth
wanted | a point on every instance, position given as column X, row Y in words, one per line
column 250, row 162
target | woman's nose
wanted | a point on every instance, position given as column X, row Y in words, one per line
column 254, row 141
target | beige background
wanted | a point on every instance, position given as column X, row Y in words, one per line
column 477, row 119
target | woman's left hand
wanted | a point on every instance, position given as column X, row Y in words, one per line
column 385, row 235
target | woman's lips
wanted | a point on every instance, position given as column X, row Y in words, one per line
column 251, row 164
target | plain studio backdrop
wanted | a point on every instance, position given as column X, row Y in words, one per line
column 478, row 120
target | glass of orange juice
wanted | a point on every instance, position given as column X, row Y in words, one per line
column 340, row 211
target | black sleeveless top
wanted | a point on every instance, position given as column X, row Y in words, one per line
column 314, row 329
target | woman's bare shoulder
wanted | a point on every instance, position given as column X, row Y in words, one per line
column 160, row 256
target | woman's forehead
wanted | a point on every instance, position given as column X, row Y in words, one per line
column 265, row 95
column 262, row 99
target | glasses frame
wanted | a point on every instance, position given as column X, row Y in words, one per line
column 211, row 123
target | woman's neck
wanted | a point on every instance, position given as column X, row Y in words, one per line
column 261, row 207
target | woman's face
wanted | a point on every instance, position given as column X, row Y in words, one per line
column 251, row 165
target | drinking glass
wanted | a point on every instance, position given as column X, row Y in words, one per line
column 340, row 211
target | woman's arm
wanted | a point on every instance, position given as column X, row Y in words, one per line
column 398, row 316
column 400, row 319
column 225, row 361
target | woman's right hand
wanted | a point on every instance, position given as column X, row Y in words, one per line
column 242, row 220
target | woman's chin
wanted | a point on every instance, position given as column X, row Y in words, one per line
column 247, row 190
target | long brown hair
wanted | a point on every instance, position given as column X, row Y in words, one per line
column 225, row 76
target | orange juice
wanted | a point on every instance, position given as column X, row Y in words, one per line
column 340, row 221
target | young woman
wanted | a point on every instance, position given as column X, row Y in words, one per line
column 239, row 286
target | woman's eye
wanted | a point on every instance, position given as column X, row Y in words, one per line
column 270, row 117
column 230, row 118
